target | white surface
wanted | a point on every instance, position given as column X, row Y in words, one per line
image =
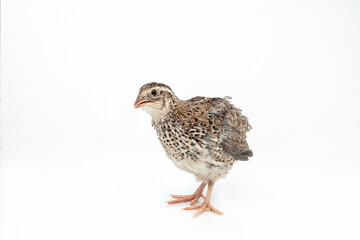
column 78, row 162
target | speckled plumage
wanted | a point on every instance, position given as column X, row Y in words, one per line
column 203, row 136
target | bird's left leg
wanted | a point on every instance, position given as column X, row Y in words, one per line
column 205, row 206
column 187, row 198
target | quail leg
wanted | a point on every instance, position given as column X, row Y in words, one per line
column 187, row 198
column 205, row 206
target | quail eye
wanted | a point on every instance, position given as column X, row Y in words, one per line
column 153, row 92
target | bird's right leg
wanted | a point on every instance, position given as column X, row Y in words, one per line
column 186, row 198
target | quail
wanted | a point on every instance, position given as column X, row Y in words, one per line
column 203, row 136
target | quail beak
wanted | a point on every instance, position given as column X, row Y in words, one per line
column 140, row 101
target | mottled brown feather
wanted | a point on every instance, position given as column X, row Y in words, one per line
column 219, row 121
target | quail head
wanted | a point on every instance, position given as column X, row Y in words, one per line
column 203, row 136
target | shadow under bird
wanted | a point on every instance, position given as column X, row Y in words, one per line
column 203, row 136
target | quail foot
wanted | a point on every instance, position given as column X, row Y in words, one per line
column 203, row 136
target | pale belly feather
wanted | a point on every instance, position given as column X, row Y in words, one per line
column 189, row 156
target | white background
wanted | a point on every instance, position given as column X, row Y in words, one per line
column 78, row 162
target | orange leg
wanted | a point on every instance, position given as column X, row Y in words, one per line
column 205, row 206
column 187, row 198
